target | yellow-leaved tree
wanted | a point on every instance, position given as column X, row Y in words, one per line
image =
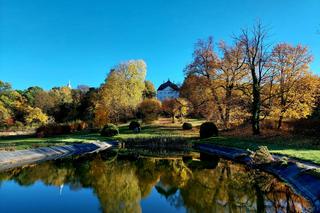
column 121, row 92
column 295, row 86
column 35, row 115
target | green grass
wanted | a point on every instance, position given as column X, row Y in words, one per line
column 297, row 147
column 153, row 130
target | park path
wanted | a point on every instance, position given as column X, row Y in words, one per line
column 11, row 159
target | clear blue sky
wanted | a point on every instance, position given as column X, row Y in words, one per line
column 48, row 43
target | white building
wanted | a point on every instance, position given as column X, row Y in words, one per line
column 167, row 90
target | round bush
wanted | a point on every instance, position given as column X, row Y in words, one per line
column 109, row 130
column 187, row 126
column 134, row 125
column 208, row 129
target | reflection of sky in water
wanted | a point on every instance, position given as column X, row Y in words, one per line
column 41, row 198
column 159, row 203
column 147, row 185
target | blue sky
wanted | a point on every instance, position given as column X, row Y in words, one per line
column 48, row 43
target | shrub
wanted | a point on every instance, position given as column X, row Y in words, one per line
column 149, row 110
column 53, row 129
column 187, row 126
column 109, row 130
column 134, row 125
column 77, row 125
column 208, row 129
column 309, row 127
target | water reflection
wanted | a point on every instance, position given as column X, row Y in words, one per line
column 121, row 183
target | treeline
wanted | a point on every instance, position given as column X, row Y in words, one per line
column 35, row 106
column 251, row 80
column 248, row 81
column 116, row 101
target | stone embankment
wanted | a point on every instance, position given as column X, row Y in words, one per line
column 296, row 174
column 11, row 159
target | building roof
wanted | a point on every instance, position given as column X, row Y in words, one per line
column 168, row 84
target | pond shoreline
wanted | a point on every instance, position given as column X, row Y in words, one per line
column 294, row 175
column 12, row 159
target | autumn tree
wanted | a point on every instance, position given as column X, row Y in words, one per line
column 257, row 60
column 196, row 90
column 223, row 75
column 205, row 63
column 5, row 115
column 316, row 109
column 149, row 109
column 122, row 91
column 86, row 106
column 294, row 83
column 35, row 115
column 176, row 107
column 231, row 73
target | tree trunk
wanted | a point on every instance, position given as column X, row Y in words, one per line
column 216, row 98
column 260, row 199
column 256, row 109
column 280, row 121
column 282, row 111
column 227, row 111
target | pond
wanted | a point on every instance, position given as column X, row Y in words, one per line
column 109, row 182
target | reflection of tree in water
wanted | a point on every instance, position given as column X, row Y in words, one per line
column 121, row 184
column 233, row 188
column 278, row 196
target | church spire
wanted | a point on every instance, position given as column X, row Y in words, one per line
column 69, row 85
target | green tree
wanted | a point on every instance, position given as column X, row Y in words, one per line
column 149, row 90
column 31, row 93
column 4, row 86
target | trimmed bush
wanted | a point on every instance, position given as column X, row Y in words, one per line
column 134, row 125
column 187, row 126
column 208, row 129
column 109, row 130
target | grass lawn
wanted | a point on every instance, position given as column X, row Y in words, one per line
column 298, row 147
column 163, row 127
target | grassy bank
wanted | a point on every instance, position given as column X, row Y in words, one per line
column 297, row 147
column 305, row 148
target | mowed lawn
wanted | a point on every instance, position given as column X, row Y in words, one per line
column 297, row 147
column 163, row 127
column 305, row 148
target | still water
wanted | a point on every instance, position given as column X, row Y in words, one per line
column 106, row 182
